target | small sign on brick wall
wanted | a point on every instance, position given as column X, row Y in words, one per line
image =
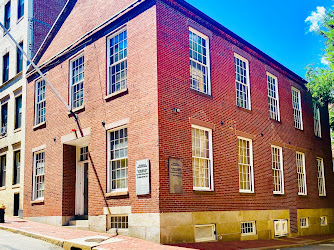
column 175, row 176
column 143, row 177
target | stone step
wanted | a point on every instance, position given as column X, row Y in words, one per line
column 79, row 223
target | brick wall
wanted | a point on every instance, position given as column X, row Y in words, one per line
column 139, row 104
column 158, row 81
column 175, row 129
column 44, row 15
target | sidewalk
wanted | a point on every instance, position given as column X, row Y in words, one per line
column 68, row 237
column 261, row 244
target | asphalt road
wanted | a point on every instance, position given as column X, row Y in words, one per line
column 11, row 241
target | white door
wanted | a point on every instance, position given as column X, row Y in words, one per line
column 81, row 187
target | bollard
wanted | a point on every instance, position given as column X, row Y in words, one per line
column 2, row 213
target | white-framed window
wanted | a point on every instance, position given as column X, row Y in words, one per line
column 323, row 221
column 277, row 167
column 117, row 62
column 316, row 118
column 199, row 52
column 205, row 232
column 118, row 159
column 321, row 177
column 297, row 108
column 3, row 163
column 40, row 102
column 273, row 97
column 281, row 227
column 242, row 82
column 77, row 76
column 84, row 153
column 304, row 222
column 248, row 228
column 202, row 158
column 38, row 175
column 301, row 174
column 119, row 222
column 245, row 163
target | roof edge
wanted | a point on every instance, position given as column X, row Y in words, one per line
column 240, row 39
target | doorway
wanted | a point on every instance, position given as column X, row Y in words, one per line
column 81, row 188
column 16, row 204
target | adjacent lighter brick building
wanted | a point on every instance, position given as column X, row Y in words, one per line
column 28, row 22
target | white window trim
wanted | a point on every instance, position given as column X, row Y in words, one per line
column 307, row 222
column 282, row 169
column 251, row 163
column 325, row 218
column 323, row 176
column 277, row 92
column 304, row 171
column 109, row 190
column 211, row 188
column 248, row 82
column 254, row 228
column 71, row 81
column 36, row 93
column 317, row 109
column 113, row 34
column 207, row 40
column 301, row 109
column 34, row 177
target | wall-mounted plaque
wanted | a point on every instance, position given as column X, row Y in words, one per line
column 143, row 177
column 175, row 176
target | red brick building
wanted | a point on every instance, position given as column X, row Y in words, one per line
column 234, row 150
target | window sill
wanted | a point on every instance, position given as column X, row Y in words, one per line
column 244, row 109
column 299, row 129
column 322, row 195
column 5, row 34
column 11, row 79
column 113, row 194
column 77, row 110
column 201, row 93
column 246, row 192
column 40, row 125
column 17, row 130
column 115, row 94
column 277, row 194
column 37, row 202
column 20, row 19
column 16, row 186
column 302, row 195
column 3, row 136
column 274, row 120
column 2, row 188
column 203, row 191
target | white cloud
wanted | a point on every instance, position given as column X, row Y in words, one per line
column 316, row 18
column 324, row 61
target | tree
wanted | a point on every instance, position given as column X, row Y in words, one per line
column 321, row 80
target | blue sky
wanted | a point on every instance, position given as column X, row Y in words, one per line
column 277, row 27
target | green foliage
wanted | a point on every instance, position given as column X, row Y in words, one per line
column 321, row 80
column 321, row 84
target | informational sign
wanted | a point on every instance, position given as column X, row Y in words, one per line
column 175, row 176
column 143, row 177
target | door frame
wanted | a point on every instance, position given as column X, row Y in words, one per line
column 80, row 183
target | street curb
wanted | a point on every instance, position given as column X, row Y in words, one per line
column 294, row 245
column 49, row 239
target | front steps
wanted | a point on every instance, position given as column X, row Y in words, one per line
column 80, row 222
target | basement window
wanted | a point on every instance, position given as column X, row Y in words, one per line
column 119, row 222
column 248, row 228
column 323, row 221
column 205, row 232
column 304, row 222
column 281, row 228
